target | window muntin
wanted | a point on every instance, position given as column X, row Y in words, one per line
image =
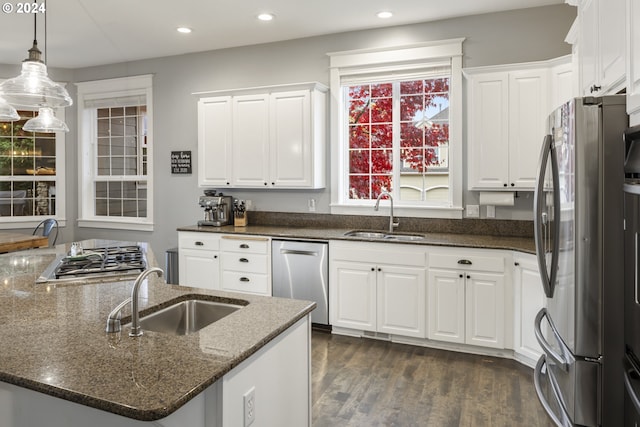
column 27, row 170
column 121, row 154
column 398, row 138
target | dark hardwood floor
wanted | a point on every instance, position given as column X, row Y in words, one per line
column 366, row 382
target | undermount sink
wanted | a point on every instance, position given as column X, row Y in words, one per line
column 385, row 236
column 186, row 316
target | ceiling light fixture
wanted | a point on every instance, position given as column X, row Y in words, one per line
column 266, row 16
column 7, row 112
column 33, row 88
column 184, row 30
column 45, row 121
column 385, row 14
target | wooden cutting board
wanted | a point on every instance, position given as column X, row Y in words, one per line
column 12, row 241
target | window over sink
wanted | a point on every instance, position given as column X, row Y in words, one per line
column 396, row 127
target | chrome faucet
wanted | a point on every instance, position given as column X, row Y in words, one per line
column 392, row 224
column 135, row 315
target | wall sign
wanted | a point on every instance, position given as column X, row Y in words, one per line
column 181, row 162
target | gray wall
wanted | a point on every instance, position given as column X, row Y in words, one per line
column 508, row 37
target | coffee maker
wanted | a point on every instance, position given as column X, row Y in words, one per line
column 217, row 209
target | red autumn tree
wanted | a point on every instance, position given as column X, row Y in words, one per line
column 371, row 132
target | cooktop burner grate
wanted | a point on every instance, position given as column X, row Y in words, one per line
column 115, row 259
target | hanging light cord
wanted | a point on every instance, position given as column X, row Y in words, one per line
column 45, row 32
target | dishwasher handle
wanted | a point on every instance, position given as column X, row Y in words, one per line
column 298, row 252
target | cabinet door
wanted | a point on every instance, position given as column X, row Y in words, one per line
column 198, row 268
column 290, row 148
column 488, row 138
column 446, row 306
column 530, row 298
column 353, row 295
column 250, row 141
column 611, row 43
column 214, row 141
column 485, row 309
column 401, row 301
column 527, row 115
column 633, row 60
column 588, row 45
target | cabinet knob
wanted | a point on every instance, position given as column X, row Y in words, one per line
column 468, row 277
column 461, row 276
column 228, row 183
column 265, row 183
column 199, row 244
column 516, row 264
column 464, row 262
column 243, row 260
column 215, row 257
column 273, row 183
column 512, row 184
column 505, row 184
column 379, row 269
column 244, row 246
column 595, row 88
column 244, row 279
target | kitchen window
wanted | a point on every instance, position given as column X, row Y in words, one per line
column 115, row 145
column 396, row 116
column 31, row 178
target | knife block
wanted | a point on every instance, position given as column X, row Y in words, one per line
column 240, row 221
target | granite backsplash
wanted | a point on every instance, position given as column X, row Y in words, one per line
column 494, row 227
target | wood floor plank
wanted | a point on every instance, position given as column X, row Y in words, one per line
column 367, row 382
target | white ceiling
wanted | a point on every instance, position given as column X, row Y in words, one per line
column 83, row 33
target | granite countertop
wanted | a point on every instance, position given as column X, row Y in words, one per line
column 522, row 244
column 59, row 345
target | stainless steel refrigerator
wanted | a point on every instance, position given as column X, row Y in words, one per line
column 579, row 234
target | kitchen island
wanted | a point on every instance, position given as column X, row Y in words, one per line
column 59, row 367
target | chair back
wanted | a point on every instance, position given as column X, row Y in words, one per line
column 48, row 225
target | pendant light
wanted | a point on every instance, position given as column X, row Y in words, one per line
column 34, row 89
column 45, row 121
column 7, row 112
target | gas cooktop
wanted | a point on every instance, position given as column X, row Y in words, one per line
column 105, row 262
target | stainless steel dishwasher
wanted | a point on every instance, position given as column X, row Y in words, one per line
column 300, row 270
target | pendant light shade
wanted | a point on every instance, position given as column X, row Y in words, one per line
column 7, row 112
column 33, row 87
column 46, row 121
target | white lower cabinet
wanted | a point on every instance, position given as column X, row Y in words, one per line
column 467, row 298
column 226, row 262
column 529, row 298
column 199, row 260
column 378, row 288
column 246, row 264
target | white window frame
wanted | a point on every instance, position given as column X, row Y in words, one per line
column 92, row 91
column 400, row 59
column 14, row 222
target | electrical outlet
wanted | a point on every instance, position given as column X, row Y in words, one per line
column 491, row 211
column 473, row 211
column 249, row 401
column 312, row 205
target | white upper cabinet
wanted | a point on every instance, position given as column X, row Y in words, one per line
column 214, row 127
column 633, row 61
column 602, row 46
column 506, row 112
column 270, row 137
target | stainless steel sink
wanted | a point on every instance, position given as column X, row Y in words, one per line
column 384, row 236
column 365, row 234
column 187, row 316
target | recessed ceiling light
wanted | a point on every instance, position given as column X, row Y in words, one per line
column 266, row 16
column 384, row 14
column 184, row 30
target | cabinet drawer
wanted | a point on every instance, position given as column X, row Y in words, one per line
column 466, row 261
column 254, row 245
column 203, row 241
column 245, row 263
column 245, row 282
